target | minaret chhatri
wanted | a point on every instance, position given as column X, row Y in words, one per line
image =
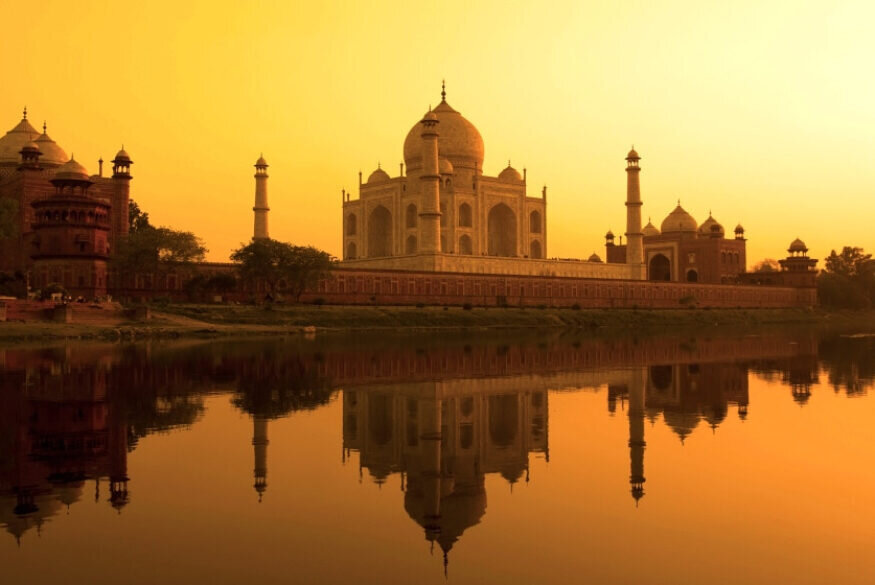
column 261, row 209
column 634, row 236
column 430, row 208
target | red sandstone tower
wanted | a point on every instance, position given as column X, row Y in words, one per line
column 634, row 235
column 71, row 235
column 121, row 194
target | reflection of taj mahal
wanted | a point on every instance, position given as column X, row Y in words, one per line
column 444, row 437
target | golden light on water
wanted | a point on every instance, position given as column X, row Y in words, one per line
column 759, row 112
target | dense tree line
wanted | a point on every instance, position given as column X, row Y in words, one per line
column 848, row 280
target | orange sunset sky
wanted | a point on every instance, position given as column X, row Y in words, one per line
column 761, row 111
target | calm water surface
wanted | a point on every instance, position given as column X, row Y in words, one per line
column 555, row 459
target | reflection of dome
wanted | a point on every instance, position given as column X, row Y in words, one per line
column 71, row 171
column 682, row 423
column 14, row 140
column 458, row 140
column 378, row 176
column 460, row 510
column 510, row 175
column 445, row 167
column 797, row 245
column 18, row 517
column 679, row 221
column 650, row 229
column 710, row 227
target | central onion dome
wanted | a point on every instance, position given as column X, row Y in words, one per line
column 679, row 221
column 458, row 140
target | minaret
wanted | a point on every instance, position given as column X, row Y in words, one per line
column 634, row 236
column 430, row 206
column 636, row 434
column 121, row 193
column 260, row 207
column 259, row 440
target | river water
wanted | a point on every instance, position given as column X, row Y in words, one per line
column 540, row 458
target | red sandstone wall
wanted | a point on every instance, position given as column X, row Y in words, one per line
column 407, row 288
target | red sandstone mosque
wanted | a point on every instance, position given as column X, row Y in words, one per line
column 440, row 232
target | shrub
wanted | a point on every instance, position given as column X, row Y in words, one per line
column 575, row 307
column 420, row 305
column 319, row 301
column 467, row 306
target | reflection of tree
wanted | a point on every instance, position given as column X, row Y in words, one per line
column 849, row 363
column 147, row 413
column 274, row 385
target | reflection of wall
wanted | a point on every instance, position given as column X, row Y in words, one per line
column 444, row 437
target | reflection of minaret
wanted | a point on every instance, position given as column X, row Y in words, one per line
column 118, row 466
column 636, row 433
column 431, row 468
column 259, row 440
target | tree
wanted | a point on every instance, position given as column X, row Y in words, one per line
column 767, row 265
column 137, row 218
column 848, row 280
column 8, row 217
column 281, row 266
column 151, row 249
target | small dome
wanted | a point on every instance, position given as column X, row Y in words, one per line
column 711, row 227
column 261, row 162
column 71, row 171
column 510, row 175
column 445, row 166
column 797, row 245
column 650, row 229
column 378, row 176
column 633, row 155
column 123, row 155
column 594, row 258
column 30, row 147
column 739, row 229
column 679, row 221
column 609, row 235
column 52, row 153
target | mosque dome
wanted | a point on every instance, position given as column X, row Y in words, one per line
column 52, row 153
column 797, row 245
column 259, row 163
column 11, row 144
column 378, row 176
column 510, row 175
column 445, row 166
column 594, row 258
column 458, row 139
column 71, row 171
column 123, row 155
column 711, row 227
column 633, row 154
column 650, row 229
column 31, row 147
column 679, row 221
column 739, row 229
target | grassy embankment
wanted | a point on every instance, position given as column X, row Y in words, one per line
column 187, row 320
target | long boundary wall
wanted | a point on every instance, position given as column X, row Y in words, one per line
column 402, row 287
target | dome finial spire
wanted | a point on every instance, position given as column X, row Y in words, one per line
column 443, row 90
column 44, row 126
column 24, row 113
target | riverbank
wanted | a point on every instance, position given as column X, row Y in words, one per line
column 215, row 321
